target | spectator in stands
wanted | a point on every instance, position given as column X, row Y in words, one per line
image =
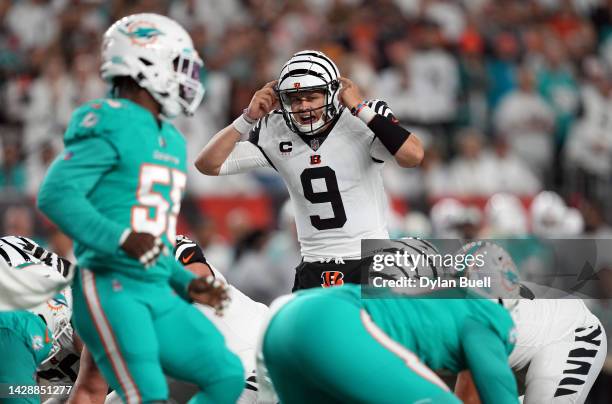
column 526, row 121
column 501, row 67
column 12, row 169
column 434, row 80
column 589, row 147
column 86, row 83
column 34, row 23
column 38, row 162
column 557, row 84
column 595, row 223
column 19, row 220
column 511, row 173
column 473, row 171
column 394, row 83
column 474, row 81
column 505, row 217
column 51, row 103
column 436, row 173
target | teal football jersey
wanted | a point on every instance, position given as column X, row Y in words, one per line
column 120, row 170
column 451, row 334
column 32, row 330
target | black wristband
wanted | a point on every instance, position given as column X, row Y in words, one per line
column 391, row 135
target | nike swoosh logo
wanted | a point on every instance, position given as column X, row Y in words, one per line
column 187, row 258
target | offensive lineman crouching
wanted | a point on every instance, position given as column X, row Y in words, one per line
column 329, row 146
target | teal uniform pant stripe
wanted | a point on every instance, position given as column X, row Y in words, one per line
column 409, row 358
column 108, row 339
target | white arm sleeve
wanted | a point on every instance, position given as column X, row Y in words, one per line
column 20, row 289
column 244, row 157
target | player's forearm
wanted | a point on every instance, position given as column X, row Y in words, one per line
column 217, row 150
column 488, row 363
column 180, row 279
column 496, row 384
column 66, row 206
column 405, row 147
column 90, row 386
column 411, row 153
column 465, row 389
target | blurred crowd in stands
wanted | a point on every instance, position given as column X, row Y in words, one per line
column 511, row 98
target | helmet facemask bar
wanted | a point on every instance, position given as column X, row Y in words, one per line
column 190, row 90
column 64, row 328
column 313, row 127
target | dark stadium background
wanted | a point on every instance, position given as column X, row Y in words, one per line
column 508, row 96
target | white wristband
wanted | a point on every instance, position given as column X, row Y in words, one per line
column 242, row 125
column 366, row 114
column 124, row 236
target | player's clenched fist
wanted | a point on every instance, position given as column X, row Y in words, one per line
column 263, row 101
column 349, row 93
column 210, row 292
column 144, row 247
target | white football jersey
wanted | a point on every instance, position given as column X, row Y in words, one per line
column 562, row 344
column 335, row 182
column 541, row 322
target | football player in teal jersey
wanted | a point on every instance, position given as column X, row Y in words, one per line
column 25, row 341
column 116, row 190
column 390, row 346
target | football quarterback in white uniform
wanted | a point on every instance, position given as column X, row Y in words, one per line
column 559, row 342
column 329, row 145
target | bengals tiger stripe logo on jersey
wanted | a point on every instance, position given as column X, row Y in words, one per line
column 332, row 278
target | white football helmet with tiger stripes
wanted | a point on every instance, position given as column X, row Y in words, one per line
column 309, row 70
column 421, row 259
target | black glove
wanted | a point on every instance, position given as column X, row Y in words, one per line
column 187, row 251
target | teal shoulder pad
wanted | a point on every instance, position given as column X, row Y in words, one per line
column 99, row 117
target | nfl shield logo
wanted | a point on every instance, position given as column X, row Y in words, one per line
column 314, row 144
column 116, row 285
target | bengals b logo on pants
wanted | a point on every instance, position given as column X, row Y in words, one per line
column 331, row 278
